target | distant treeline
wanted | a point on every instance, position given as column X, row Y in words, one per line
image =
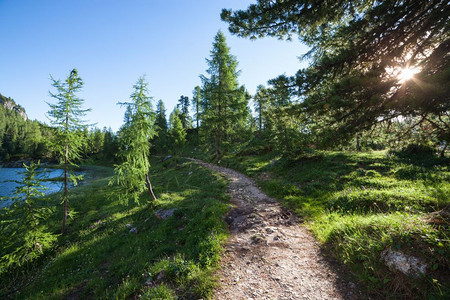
column 21, row 138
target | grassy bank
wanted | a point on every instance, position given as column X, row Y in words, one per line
column 100, row 258
column 361, row 204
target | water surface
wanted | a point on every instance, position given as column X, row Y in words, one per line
column 9, row 175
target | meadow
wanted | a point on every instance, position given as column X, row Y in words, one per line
column 118, row 250
column 359, row 204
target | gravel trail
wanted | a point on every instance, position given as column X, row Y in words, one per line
column 269, row 254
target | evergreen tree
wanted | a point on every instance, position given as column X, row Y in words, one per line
column 110, row 145
column 261, row 104
column 66, row 116
column 197, row 105
column 362, row 55
column 161, row 126
column 225, row 112
column 23, row 231
column 183, row 106
column 177, row 132
column 131, row 175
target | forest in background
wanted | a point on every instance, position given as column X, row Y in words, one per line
column 24, row 139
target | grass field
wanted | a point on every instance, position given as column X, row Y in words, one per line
column 100, row 259
column 359, row 204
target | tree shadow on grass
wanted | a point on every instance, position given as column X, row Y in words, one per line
column 101, row 256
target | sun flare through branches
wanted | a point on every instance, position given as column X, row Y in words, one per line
column 407, row 73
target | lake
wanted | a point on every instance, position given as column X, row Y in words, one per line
column 8, row 174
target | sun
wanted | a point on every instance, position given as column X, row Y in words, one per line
column 407, row 73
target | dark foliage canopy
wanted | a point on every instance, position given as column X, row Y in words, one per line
column 358, row 51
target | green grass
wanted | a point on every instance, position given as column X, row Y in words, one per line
column 100, row 259
column 360, row 203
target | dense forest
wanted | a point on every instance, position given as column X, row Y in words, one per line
column 24, row 139
column 356, row 144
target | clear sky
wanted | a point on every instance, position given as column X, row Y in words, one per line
column 112, row 43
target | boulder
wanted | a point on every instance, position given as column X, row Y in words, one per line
column 164, row 213
column 408, row 265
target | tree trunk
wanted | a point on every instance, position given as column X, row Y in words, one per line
column 66, row 190
column 358, row 146
column 149, row 187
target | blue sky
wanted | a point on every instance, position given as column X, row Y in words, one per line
column 112, row 43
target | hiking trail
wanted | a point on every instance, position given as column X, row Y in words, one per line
column 269, row 254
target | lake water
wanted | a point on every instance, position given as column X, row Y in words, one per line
column 9, row 174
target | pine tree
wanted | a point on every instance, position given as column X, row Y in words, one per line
column 161, row 126
column 177, row 132
column 110, row 146
column 66, row 116
column 360, row 53
column 183, row 106
column 135, row 134
column 197, row 105
column 261, row 105
column 225, row 103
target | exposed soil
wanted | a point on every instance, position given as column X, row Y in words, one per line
column 270, row 255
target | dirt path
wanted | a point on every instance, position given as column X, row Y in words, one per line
column 269, row 255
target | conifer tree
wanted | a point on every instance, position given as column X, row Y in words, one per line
column 371, row 61
column 23, row 230
column 161, row 128
column 131, row 175
column 177, row 132
column 66, row 116
column 183, row 107
column 261, row 103
column 197, row 105
column 109, row 144
column 225, row 103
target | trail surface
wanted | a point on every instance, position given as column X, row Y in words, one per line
column 269, row 254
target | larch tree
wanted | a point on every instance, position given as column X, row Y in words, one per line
column 371, row 61
column 132, row 173
column 66, row 118
column 225, row 105
column 24, row 233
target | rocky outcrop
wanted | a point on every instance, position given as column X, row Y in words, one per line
column 9, row 103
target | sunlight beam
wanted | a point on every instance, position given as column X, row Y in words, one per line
column 407, row 73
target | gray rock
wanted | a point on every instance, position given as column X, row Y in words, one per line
column 164, row 213
column 408, row 265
